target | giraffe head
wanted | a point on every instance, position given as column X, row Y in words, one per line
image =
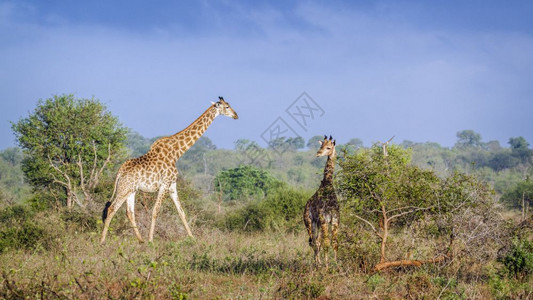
column 222, row 108
column 327, row 147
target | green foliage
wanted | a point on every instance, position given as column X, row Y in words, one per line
column 313, row 143
column 519, row 260
column 13, row 214
column 520, row 150
column 25, row 236
column 195, row 159
column 385, row 195
column 22, row 228
column 369, row 180
column 520, row 194
column 80, row 220
column 290, row 144
column 13, row 189
column 468, row 139
column 64, row 135
column 281, row 210
column 137, row 144
column 245, row 182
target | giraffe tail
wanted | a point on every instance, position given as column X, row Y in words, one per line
column 106, row 208
column 108, row 203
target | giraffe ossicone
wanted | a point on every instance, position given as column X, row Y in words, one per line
column 156, row 171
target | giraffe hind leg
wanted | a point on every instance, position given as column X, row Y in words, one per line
column 155, row 211
column 316, row 242
column 110, row 211
column 131, row 215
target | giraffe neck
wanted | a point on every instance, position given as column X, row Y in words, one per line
column 171, row 148
column 328, row 170
column 186, row 138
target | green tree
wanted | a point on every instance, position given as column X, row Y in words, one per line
column 295, row 143
column 383, row 191
column 355, row 142
column 313, row 143
column 468, row 139
column 245, row 182
column 137, row 144
column 11, row 176
column 241, row 144
column 68, row 143
column 520, row 150
column 195, row 158
column 520, row 196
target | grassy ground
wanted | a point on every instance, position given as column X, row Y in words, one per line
column 215, row 265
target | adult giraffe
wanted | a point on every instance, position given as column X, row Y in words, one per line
column 156, row 171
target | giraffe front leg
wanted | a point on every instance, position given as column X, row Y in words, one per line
column 307, row 222
column 334, row 241
column 325, row 241
column 131, row 215
column 175, row 199
column 325, row 236
column 155, row 211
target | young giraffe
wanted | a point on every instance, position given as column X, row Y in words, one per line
column 322, row 210
column 156, row 170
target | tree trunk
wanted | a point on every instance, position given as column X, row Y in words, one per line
column 384, row 236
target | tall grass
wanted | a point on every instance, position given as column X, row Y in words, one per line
column 67, row 262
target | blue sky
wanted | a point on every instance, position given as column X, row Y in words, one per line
column 418, row 70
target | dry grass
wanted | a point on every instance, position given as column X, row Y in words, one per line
column 214, row 265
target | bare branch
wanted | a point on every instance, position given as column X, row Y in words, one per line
column 409, row 207
column 59, row 181
column 408, row 212
column 99, row 172
column 94, row 163
column 370, row 224
column 66, row 184
column 82, row 178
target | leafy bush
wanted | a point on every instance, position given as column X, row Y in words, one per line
column 385, row 195
column 28, row 235
column 245, row 182
column 81, row 220
column 519, row 260
column 14, row 214
column 21, row 227
column 281, row 210
column 520, row 194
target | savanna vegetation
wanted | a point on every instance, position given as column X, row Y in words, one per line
column 418, row 220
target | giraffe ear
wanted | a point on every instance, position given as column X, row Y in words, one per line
column 213, row 103
column 333, row 142
column 320, row 142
